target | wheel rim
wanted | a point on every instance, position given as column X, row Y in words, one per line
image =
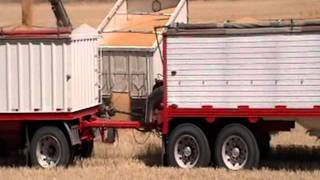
column 186, row 151
column 235, row 152
column 48, row 151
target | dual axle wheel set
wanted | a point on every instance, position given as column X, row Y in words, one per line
column 235, row 147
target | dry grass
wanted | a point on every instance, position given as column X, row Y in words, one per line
column 296, row 158
column 295, row 155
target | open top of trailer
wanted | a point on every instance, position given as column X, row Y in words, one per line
column 131, row 23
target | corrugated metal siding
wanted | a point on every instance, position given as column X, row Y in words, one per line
column 258, row 71
column 31, row 76
column 49, row 75
column 85, row 74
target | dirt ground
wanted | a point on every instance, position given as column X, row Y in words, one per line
column 295, row 155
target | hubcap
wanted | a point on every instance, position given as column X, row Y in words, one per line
column 235, row 152
column 48, row 151
column 186, row 151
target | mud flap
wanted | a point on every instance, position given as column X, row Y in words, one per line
column 73, row 133
column 111, row 135
column 164, row 158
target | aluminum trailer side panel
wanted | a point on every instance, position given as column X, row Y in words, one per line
column 274, row 77
column 50, row 74
column 255, row 71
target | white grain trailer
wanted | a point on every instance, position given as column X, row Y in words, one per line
column 228, row 86
column 49, row 82
column 50, row 97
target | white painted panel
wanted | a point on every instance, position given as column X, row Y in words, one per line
column 50, row 75
column 248, row 60
column 13, row 79
column 257, row 71
column 252, row 83
column 85, row 76
column 252, row 50
column 3, row 77
column 36, row 76
column 253, row 39
column 254, row 44
column 24, row 77
column 244, row 88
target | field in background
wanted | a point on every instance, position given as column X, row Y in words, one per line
column 295, row 155
column 200, row 11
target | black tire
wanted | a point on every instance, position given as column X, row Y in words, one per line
column 245, row 147
column 87, row 148
column 56, row 137
column 199, row 150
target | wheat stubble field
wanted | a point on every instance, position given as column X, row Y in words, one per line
column 294, row 156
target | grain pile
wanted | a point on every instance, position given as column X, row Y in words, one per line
column 27, row 12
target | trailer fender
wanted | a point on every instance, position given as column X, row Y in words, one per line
column 73, row 133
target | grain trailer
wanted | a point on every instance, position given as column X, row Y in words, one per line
column 228, row 86
column 50, row 92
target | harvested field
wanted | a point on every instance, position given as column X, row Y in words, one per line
column 200, row 11
column 295, row 155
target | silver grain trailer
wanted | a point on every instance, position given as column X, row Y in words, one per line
column 228, row 86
